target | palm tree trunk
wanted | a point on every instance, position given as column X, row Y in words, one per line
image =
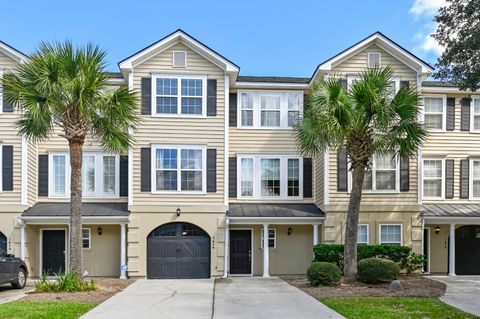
column 76, row 156
column 350, row 248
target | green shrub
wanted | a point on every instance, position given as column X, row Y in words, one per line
column 374, row 270
column 323, row 273
column 67, row 282
column 415, row 262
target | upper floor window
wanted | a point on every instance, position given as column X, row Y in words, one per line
column 270, row 177
column 374, row 59
column 391, row 234
column 383, row 174
column 269, row 109
column 434, row 112
column 476, row 113
column 100, row 175
column 179, row 95
column 179, row 168
column 475, row 164
column 179, row 59
column 432, row 178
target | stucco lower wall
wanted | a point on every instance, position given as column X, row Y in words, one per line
column 8, row 226
column 334, row 230
column 291, row 256
column 439, row 249
column 141, row 224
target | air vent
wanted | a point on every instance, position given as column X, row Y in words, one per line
column 179, row 59
column 373, row 59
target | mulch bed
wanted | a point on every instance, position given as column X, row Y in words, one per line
column 414, row 286
column 106, row 288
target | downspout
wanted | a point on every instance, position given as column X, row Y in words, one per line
column 226, row 250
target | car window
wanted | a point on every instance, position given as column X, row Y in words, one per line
column 3, row 254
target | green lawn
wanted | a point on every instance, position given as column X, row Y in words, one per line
column 43, row 310
column 396, row 308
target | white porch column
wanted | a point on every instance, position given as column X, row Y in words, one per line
column 22, row 241
column 451, row 260
column 315, row 234
column 123, row 251
column 226, row 248
column 266, row 258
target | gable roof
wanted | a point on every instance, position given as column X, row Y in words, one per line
column 172, row 39
column 383, row 42
column 12, row 52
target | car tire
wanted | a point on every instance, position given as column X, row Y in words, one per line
column 20, row 279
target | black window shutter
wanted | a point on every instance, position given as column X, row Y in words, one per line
column 7, row 169
column 307, row 178
column 449, row 177
column 233, row 109
column 211, row 97
column 146, row 169
column 404, row 174
column 465, row 118
column 211, row 170
column 404, row 84
column 42, row 175
column 464, row 178
column 124, row 175
column 450, row 113
column 342, row 170
column 232, row 177
column 7, row 106
column 146, row 96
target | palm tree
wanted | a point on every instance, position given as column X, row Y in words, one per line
column 66, row 87
column 367, row 120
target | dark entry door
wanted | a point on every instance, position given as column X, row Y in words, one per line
column 426, row 245
column 53, row 252
column 178, row 250
column 240, row 252
column 467, row 250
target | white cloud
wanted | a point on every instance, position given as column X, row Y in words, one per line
column 424, row 11
column 426, row 7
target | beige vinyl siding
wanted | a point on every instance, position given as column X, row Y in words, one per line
column 9, row 136
column 32, row 173
column 208, row 131
column 456, row 145
column 319, row 179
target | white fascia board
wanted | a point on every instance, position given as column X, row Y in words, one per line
column 267, row 85
column 38, row 220
column 450, row 219
column 116, row 81
column 276, row 220
column 14, row 54
column 439, row 89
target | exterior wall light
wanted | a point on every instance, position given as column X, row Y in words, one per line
column 289, row 231
column 437, row 230
column 99, row 231
column 178, row 212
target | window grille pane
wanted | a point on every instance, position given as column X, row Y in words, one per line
column 293, row 117
column 362, row 237
column 59, row 174
column 191, row 159
column 432, row 188
column 191, row 105
column 434, row 121
column 109, row 174
column 167, row 105
column 167, row 86
column 88, row 176
column 246, row 182
column 391, row 234
column 191, row 87
column 432, row 169
column 166, row 180
column 368, row 181
column 270, row 118
column 385, row 180
column 191, row 180
column 270, row 177
column 166, row 159
column 247, row 117
column 293, row 177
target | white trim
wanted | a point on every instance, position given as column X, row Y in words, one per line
column 326, row 168
column 66, row 251
column 472, row 115
column 470, row 178
column 226, row 142
column 1, row 168
column 368, row 234
column 443, row 89
column 24, row 173
column 1, row 89
column 130, row 151
column 428, row 248
column 179, row 148
column 276, row 220
column 89, row 238
column 40, row 220
column 444, row 111
column 123, row 251
column 170, row 40
column 173, row 59
column 268, row 85
column 266, row 252
column 256, row 160
column 274, row 238
column 434, row 158
column 379, row 58
column 257, row 110
column 389, row 224
column 12, row 53
column 451, row 250
column 179, row 77
column 251, row 253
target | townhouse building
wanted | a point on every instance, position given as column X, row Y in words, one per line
column 215, row 185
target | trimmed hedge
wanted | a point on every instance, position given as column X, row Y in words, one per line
column 375, row 270
column 325, row 274
column 333, row 253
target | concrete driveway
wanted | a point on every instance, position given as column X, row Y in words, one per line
column 7, row 293
column 463, row 292
column 204, row 299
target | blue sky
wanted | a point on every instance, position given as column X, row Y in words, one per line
column 282, row 38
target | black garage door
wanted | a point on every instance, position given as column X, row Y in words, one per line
column 467, row 250
column 178, row 250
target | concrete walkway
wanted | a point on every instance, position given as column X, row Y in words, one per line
column 463, row 292
column 248, row 298
column 7, row 293
column 253, row 298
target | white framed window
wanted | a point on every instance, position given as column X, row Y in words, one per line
column 179, row 168
column 179, row 59
column 272, row 238
column 434, row 112
column 383, row 175
column 433, row 185
column 269, row 177
column 363, row 236
column 475, row 114
column 351, row 79
column 175, row 95
column 100, row 175
column 86, row 238
column 269, row 109
column 475, row 178
column 391, row 234
column 374, row 59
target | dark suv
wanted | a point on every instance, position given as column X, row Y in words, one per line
column 12, row 270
